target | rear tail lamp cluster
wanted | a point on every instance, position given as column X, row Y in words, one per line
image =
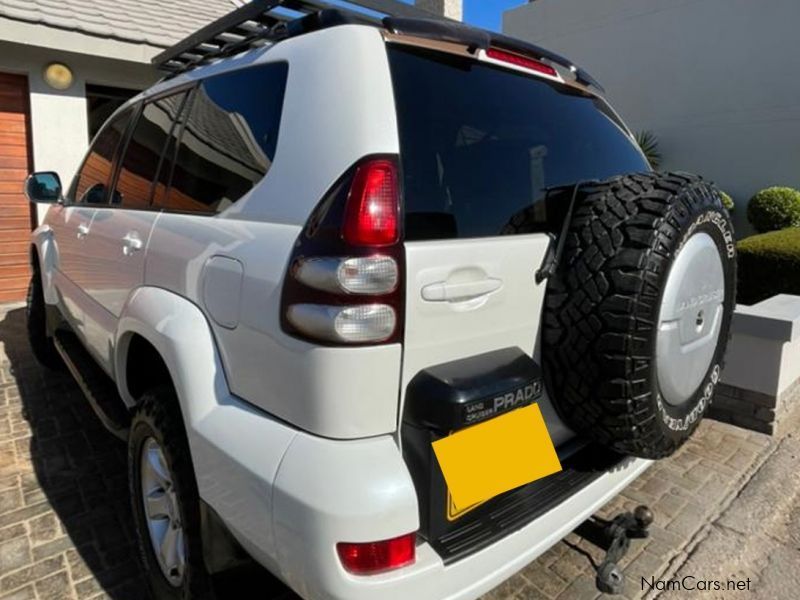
column 376, row 557
column 344, row 280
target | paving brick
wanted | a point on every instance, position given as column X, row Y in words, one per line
column 26, row 593
column 43, row 528
column 689, row 520
column 12, row 531
column 10, row 500
column 79, row 561
column 507, row 589
column 55, row 587
column 645, row 564
column 14, row 553
column 571, row 565
column 668, row 506
column 88, row 587
column 580, row 589
column 530, row 592
column 30, row 574
column 52, row 548
column 544, row 579
column 23, row 514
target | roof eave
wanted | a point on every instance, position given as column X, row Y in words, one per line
column 70, row 40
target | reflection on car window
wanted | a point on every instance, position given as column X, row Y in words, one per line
column 91, row 182
column 143, row 154
column 229, row 139
column 481, row 144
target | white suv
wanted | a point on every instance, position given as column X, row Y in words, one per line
column 322, row 244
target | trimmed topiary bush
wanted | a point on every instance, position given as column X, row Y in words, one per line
column 769, row 264
column 774, row 208
column 727, row 201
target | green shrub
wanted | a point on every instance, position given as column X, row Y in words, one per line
column 727, row 201
column 769, row 264
column 774, row 208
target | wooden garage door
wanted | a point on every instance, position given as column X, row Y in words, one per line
column 15, row 211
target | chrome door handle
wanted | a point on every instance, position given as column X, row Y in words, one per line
column 131, row 243
column 83, row 231
column 443, row 291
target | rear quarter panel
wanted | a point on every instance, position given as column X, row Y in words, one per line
column 338, row 108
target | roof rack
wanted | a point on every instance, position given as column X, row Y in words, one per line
column 261, row 21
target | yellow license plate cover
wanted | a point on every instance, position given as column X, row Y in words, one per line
column 493, row 457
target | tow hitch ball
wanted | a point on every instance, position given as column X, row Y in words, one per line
column 619, row 533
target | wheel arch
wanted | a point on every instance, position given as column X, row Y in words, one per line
column 162, row 336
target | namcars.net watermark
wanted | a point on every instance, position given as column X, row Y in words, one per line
column 690, row 583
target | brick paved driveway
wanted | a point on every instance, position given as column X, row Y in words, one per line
column 65, row 524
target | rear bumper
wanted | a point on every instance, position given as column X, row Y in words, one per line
column 289, row 497
column 329, row 491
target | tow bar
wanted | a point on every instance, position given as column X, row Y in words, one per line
column 618, row 534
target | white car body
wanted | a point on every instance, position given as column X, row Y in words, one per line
column 296, row 446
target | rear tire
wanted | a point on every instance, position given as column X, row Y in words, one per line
column 637, row 317
column 36, row 321
column 165, row 500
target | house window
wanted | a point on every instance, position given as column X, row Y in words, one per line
column 101, row 102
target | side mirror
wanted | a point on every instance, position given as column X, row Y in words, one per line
column 43, row 187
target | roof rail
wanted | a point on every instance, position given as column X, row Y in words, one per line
column 261, row 21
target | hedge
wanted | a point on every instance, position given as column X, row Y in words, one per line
column 769, row 264
column 774, row 208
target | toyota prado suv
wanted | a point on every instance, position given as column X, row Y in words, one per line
column 327, row 240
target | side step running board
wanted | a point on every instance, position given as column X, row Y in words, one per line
column 99, row 389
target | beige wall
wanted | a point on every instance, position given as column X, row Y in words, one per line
column 59, row 119
column 716, row 80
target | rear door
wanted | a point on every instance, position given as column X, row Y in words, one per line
column 482, row 148
column 121, row 227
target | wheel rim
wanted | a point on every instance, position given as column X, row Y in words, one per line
column 162, row 513
column 690, row 319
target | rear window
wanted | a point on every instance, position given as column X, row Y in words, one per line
column 481, row 144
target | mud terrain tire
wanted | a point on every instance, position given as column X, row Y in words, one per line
column 637, row 317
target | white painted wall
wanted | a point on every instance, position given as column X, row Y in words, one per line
column 452, row 9
column 59, row 126
column 716, row 80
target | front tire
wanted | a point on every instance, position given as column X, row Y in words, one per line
column 36, row 322
column 166, row 505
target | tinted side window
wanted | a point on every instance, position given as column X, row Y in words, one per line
column 93, row 178
column 229, row 139
column 144, row 152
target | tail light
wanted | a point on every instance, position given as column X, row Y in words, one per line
column 344, row 284
column 373, row 208
column 376, row 557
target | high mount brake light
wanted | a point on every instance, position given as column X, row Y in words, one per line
column 376, row 557
column 521, row 61
column 344, row 285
